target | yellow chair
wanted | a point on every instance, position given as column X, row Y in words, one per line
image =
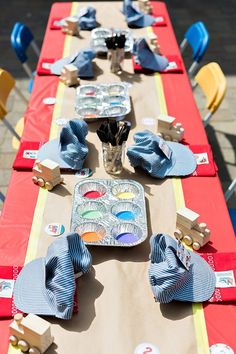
column 7, row 84
column 213, row 83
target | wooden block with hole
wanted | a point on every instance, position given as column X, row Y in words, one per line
column 31, row 333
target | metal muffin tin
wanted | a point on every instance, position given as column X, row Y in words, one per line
column 105, row 215
column 102, row 101
column 98, row 36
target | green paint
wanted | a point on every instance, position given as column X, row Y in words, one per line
column 92, row 214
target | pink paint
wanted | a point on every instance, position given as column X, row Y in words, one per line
column 93, row 194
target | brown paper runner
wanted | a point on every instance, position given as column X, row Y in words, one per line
column 116, row 306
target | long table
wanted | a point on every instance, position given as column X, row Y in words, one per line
column 116, row 306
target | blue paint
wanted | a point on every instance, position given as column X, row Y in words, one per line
column 125, row 215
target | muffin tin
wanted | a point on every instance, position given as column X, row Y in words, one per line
column 98, row 36
column 101, row 101
column 109, row 212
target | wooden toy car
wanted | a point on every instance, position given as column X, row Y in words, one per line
column 167, row 130
column 189, row 230
column 47, row 174
column 31, row 333
column 145, row 6
column 71, row 26
column 69, row 75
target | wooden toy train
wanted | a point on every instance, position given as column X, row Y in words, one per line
column 189, row 230
column 47, row 174
column 31, row 333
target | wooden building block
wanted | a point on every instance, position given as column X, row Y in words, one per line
column 188, row 216
column 165, row 121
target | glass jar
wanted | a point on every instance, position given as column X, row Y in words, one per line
column 113, row 158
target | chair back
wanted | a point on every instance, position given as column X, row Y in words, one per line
column 7, row 83
column 21, row 37
column 197, row 37
column 213, row 83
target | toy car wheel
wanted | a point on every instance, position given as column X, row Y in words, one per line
column 13, row 340
column 41, row 182
column 23, row 345
column 167, row 137
column 196, row 246
column 35, row 179
column 49, row 186
column 178, row 234
column 34, row 350
column 188, row 240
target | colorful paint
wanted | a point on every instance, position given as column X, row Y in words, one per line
column 91, row 236
column 125, row 215
column 125, row 195
column 92, row 214
column 93, row 194
column 127, row 237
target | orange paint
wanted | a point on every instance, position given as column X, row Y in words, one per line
column 91, row 236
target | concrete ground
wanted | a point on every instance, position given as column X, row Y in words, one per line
column 218, row 16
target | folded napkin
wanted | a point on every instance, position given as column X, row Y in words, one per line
column 8, row 276
column 224, row 267
column 206, row 165
column 146, row 58
column 26, row 155
column 160, row 158
column 82, row 60
column 70, row 150
column 134, row 17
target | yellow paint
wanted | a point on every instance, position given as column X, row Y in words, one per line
column 42, row 196
column 125, row 195
column 198, row 312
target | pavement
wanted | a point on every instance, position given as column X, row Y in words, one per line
column 220, row 20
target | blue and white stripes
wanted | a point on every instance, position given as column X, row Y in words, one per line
column 170, row 280
column 46, row 286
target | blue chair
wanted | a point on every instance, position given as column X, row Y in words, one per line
column 197, row 37
column 232, row 211
column 21, row 39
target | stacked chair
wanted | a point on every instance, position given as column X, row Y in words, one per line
column 197, row 38
column 21, row 39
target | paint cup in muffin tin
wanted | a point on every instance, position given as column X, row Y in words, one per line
column 109, row 212
column 101, row 101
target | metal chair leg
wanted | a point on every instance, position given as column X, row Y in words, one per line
column 230, row 190
column 12, row 130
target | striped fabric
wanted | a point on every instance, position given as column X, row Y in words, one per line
column 147, row 58
column 51, row 280
column 147, row 154
column 82, row 60
column 171, row 280
column 136, row 18
column 73, row 148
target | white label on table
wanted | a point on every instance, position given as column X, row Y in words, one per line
column 146, row 348
column 6, row 287
column 225, row 279
column 30, row 154
column 159, row 19
column 172, row 65
column 202, row 159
